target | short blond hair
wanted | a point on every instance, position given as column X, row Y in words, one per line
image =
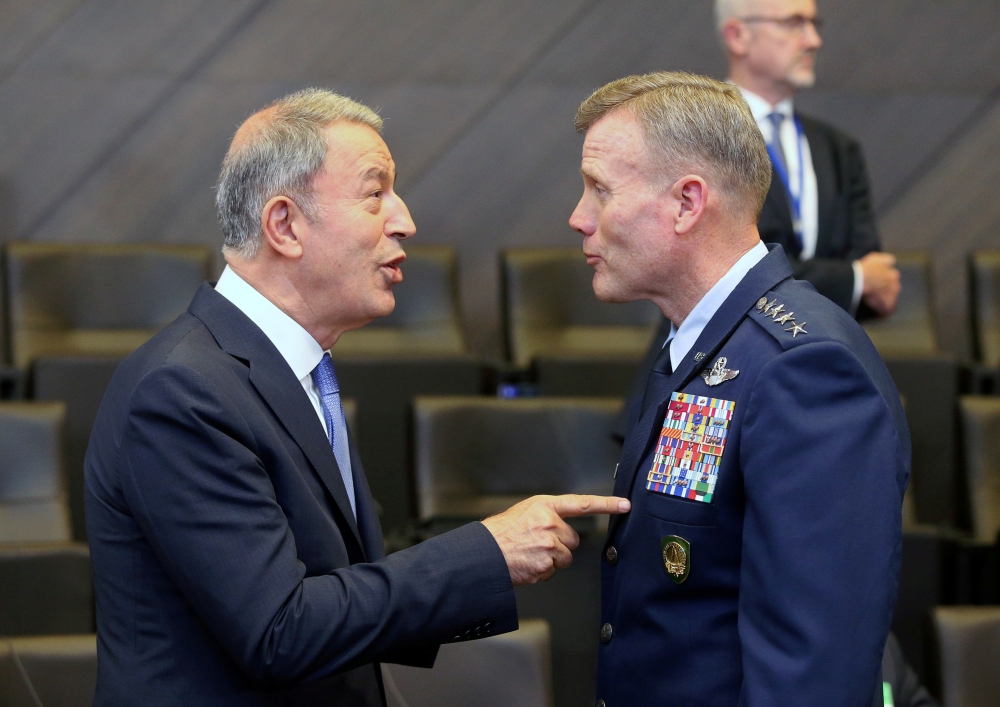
column 692, row 123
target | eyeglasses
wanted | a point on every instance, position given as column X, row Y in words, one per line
column 795, row 23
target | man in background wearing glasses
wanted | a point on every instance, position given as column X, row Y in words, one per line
column 819, row 207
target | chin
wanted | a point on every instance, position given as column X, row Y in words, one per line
column 609, row 294
column 803, row 78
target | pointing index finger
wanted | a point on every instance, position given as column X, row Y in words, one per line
column 571, row 505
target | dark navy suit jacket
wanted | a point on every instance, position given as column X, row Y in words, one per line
column 793, row 563
column 229, row 569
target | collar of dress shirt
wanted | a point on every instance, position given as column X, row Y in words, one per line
column 760, row 108
column 683, row 338
column 295, row 344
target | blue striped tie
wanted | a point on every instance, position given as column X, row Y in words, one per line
column 336, row 426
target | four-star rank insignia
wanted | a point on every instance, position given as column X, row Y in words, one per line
column 778, row 314
column 676, row 553
column 719, row 373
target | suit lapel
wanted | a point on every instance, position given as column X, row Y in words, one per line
column 762, row 277
column 368, row 523
column 274, row 380
column 826, row 187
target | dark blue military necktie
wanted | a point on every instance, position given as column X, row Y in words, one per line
column 336, row 426
column 656, row 384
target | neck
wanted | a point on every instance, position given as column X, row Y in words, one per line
column 279, row 287
column 701, row 270
column 771, row 91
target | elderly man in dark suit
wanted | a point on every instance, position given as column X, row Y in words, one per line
column 768, row 453
column 238, row 558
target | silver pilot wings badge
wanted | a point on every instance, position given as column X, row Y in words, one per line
column 719, row 373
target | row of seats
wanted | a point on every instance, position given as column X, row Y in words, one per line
column 108, row 299
column 512, row 669
column 515, row 668
column 479, row 454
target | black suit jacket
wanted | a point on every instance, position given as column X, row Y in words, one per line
column 846, row 220
column 228, row 566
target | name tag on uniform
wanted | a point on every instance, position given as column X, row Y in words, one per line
column 689, row 451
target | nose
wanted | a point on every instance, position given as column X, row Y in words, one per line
column 812, row 38
column 580, row 221
column 399, row 224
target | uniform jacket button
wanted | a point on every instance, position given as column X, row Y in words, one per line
column 612, row 555
column 606, row 633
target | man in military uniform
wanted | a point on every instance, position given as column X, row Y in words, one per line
column 767, row 458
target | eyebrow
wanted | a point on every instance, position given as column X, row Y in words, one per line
column 378, row 173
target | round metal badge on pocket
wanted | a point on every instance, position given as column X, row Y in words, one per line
column 676, row 557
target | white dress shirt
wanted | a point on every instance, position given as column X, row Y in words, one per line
column 295, row 344
column 682, row 339
column 799, row 176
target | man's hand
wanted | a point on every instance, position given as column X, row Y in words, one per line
column 533, row 537
column 881, row 288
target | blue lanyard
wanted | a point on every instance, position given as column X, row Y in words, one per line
column 782, row 170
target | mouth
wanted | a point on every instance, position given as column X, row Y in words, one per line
column 391, row 269
column 592, row 260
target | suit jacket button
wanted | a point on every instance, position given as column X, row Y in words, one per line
column 600, row 703
column 606, row 633
column 612, row 555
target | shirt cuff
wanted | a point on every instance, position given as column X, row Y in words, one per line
column 859, row 287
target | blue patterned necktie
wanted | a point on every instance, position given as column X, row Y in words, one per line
column 336, row 426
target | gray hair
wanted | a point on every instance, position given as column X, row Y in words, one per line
column 278, row 151
column 728, row 9
column 692, row 122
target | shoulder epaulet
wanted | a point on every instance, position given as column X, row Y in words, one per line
column 777, row 318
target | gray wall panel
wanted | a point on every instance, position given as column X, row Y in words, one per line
column 513, row 180
column 621, row 38
column 437, row 41
column 26, row 23
column 894, row 143
column 114, row 114
column 953, row 209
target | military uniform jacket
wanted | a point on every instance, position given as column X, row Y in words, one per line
column 759, row 563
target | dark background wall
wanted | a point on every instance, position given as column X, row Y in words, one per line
column 114, row 114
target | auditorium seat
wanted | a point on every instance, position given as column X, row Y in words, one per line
column 980, row 418
column 909, row 331
column 477, row 456
column 930, row 386
column 552, row 319
column 76, row 310
column 45, row 589
column 984, row 305
column 384, row 390
column 48, row 671
column 500, row 671
column 427, row 318
column 968, row 642
column 96, row 299
column 33, row 505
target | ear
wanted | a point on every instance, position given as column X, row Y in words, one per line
column 736, row 37
column 282, row 221
column 690, row 193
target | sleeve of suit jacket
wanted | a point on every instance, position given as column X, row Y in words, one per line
column 202, row 496
column 834, row 277
column 821, row 542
